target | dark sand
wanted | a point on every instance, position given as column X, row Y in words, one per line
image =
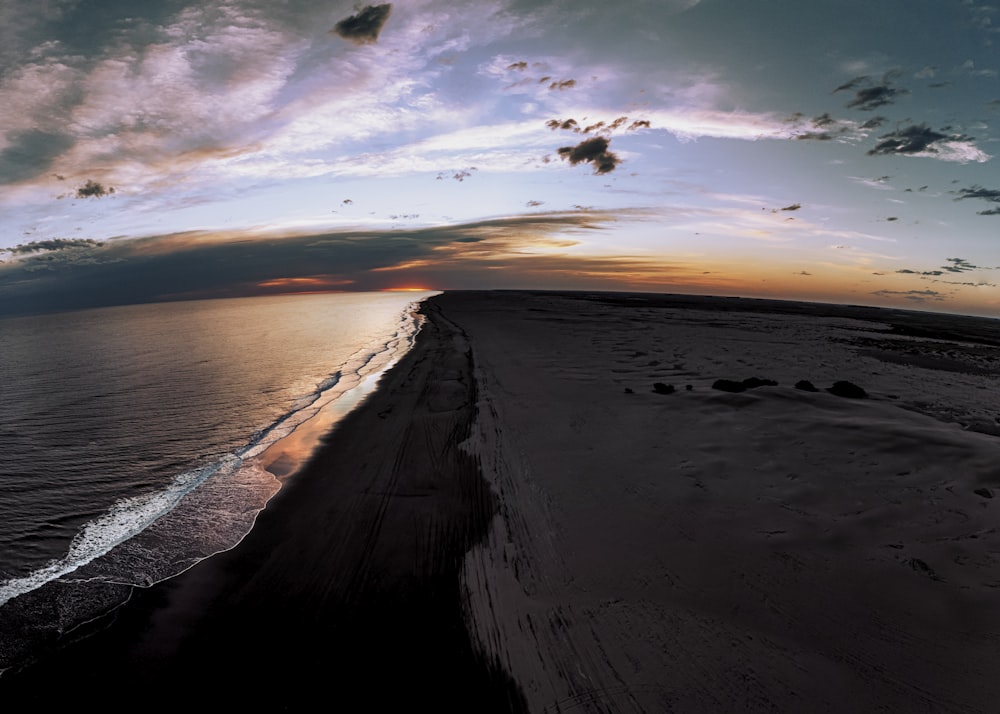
column 346, row 594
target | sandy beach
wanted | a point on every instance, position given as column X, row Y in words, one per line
column 518, row 519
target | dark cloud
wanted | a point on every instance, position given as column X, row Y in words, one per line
column 983, row 194
column 825, row 128
column 814, row 136
column 852, row 83
column 93, row 189
column 519, row 66
column 593, row 151
column 871, row 98
column 39, row 246
column 914, row 295
column 793, row 207
column 183, row 266
column 912, row 139
column 364, row 27
column 874, row 122
column 599, row 127
column 30, row 153
column 568, row 124
column 960, row 265
column 954, row 265
column 533, row 204
column 870, row 94
column 459, row 175
column 892, row 218
column 564, row 84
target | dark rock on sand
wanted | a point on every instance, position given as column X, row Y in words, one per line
column 847, row 389
column 984, row 492
column 728, row 385
column 806, row 386
column 628, row 390
column 661, row 388
column 754, row 382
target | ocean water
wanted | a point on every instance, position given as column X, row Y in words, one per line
column 137, row 440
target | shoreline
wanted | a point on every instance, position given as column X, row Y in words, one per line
column 348, row 582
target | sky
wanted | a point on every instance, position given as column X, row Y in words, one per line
column 839, row 151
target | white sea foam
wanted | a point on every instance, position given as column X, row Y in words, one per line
column 122, row 521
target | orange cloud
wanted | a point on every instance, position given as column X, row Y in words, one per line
column 309, row 283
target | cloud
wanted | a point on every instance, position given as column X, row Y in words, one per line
column 563, row 84
column 960, row 265
column 568, row 124
column 52, row 244
column 593, row 151
column 954, row 265
column 969, row 67
column 459, row 175
column 364, row 27
column 874, row 122
column 870, row 95
column 913, row 139
column 200, row 264
column 983, row 194
column 30, row 152
column 914, row 295
column 814, row 136
column 793, row 207
column 93, row 189
column 881, row 182
column 870, row 98
column 921, row 140
column 692, row 123
column 852, row 83
column 519, row 66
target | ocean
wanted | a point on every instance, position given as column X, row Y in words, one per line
column 137, row 440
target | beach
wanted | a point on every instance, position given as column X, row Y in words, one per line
column 519, row 519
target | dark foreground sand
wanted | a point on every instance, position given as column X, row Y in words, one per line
column 516, row 520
